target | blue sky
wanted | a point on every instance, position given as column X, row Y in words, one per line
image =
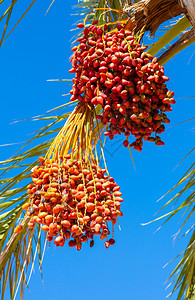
column 38, row 50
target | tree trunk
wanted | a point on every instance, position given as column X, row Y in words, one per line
column 190, row 6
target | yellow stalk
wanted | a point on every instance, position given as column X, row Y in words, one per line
column 101, row 146
column 116, row 22
column 105, row 8
column 72, row 138
column 79, row 129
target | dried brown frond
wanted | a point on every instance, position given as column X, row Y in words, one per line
column 186, row 39
column 152, row 13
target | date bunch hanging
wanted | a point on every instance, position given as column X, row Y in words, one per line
column 71, row 196
column 113, row 70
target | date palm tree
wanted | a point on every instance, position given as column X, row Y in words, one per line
column 18, row 250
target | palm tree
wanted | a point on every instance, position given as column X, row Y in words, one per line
column 139, row 16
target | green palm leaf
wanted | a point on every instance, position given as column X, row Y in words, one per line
column 172, row 33
column 17, row 249
column 184, row 273
column 185, row 281
column 7, row 14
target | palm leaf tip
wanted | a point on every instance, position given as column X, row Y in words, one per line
column 183, row 276
column 16, row 258
column 9, row 12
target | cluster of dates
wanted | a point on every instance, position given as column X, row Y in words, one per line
column 113, row 70
column 73, row 200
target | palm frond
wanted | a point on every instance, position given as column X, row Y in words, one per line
column 106, row 12
column 8, row 13
column 189, row 179
column 185, row 281
column 15, row 259
column 17, row 248
column 184, row 273
column 172, row 33
column 7, row 21
column 187, row 39
column 85, row 7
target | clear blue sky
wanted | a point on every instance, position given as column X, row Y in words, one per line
column 39, row 49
